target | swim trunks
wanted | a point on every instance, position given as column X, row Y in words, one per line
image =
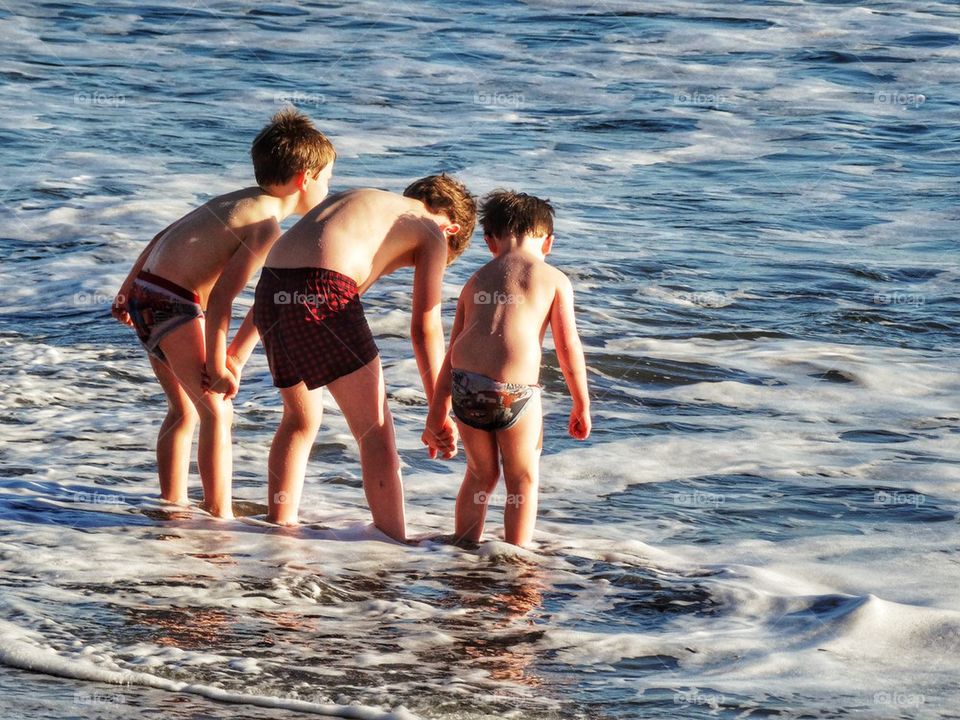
column 157, row 307
column 487, row 404
column 312, row 325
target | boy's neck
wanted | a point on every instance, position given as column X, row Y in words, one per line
column 528, row 244
column 286, row 204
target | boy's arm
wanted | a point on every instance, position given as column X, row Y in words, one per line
column 243, row 343
column 239, row 351
column 440, row 433
column 248, row 258
column 119, row 307
column 563, row 324
column 426, row 328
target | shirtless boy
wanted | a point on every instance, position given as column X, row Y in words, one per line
column 491, row 372
column 203, row 260
column 308, row 313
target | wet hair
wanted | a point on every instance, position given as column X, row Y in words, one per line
column 447, row 195
column 288, row 145
column 505, row 213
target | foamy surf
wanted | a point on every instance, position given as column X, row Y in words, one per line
column 18, row 651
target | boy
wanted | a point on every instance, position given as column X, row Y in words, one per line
column 204, row 260
column 307, row 311
column 490, row 373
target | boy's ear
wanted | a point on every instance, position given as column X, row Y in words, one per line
column 451, row 229
column 491, row 243
column 547, row 244
column 302, row 180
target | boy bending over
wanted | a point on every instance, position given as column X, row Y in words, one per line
column 308, row 313
column 203, row 261
column 491, row 372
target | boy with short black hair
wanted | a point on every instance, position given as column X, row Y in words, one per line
column 179, row 295
column 491, row 371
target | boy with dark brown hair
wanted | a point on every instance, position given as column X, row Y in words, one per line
column 491, row 371
column 179, row 295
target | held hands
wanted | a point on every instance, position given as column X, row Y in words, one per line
column 440, row 436
column 225, row 382
column 580, row 423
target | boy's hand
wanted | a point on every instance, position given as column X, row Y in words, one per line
column 440, row 436
column 580, row 423
column 223, row 383
column 119, row 309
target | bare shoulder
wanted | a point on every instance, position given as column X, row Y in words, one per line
column 558, row 279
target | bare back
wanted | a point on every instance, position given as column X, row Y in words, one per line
column 362, row 234
column 194, row 250
column 506, row 307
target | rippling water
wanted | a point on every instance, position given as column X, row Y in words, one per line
column 757, row 204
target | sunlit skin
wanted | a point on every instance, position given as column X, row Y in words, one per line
column 502, row 316
column 212, row 251
column 363, row 234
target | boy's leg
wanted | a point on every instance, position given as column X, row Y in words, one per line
column 520, row 451
column 363, row 400
column 483, row 472
column 290, row 451
column 184, row 350
column 175, row 437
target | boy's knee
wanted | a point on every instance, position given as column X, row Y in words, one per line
column 379, row 447
column 184, row 417
column 519, row 480
column 483, row 478
column 215, row 407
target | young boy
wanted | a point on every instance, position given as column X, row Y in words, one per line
column 490, row 373
column 307, row 311
column 204, row 260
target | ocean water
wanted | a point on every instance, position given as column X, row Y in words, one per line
column 757, row 205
